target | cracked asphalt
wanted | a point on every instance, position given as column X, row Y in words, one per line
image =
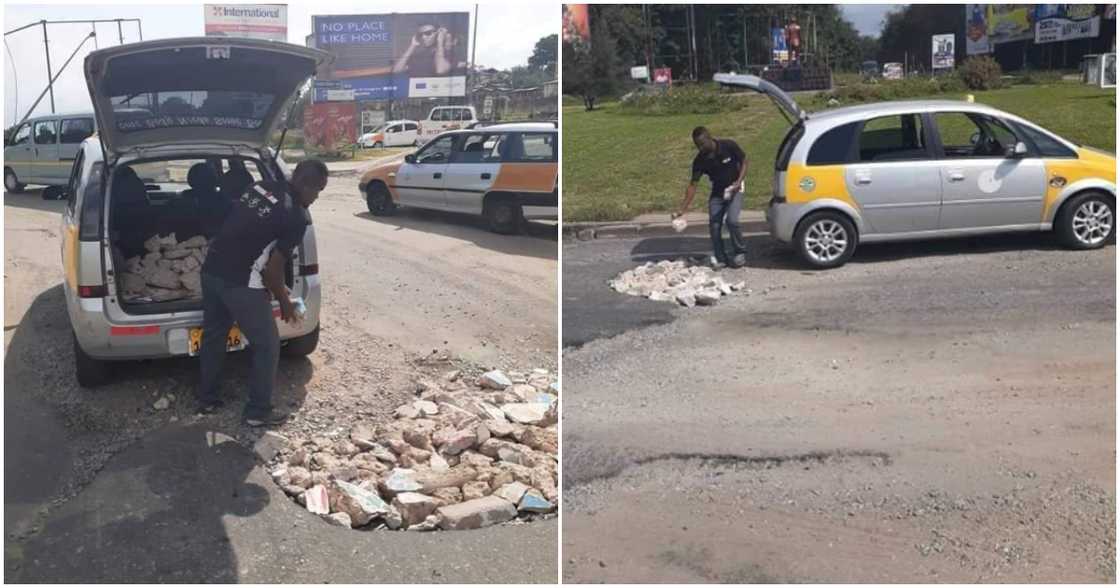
column 932, row 412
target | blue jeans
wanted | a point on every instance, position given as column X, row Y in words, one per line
column 722, row 212
column 250, row 308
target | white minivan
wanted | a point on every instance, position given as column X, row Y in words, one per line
column 42, row 149
column 447, row 118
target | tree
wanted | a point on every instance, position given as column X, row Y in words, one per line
column 592, row 72
column 908, row 31
column 543, row 58
column 526, row 76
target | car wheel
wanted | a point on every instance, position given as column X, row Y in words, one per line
column 826, row 239
column 378, row 145
column 503, row 215
column 1087, row 221
column 50, row 193
column 91, row 372
column 302, row 346
column 379, row 200
column 11, row 182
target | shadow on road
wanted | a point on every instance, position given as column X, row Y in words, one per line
column 538, row 241
column 32, row 199
column 154, row 514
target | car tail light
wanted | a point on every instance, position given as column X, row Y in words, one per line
column 92, row 291
column 309, row 270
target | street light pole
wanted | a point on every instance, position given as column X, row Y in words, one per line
column 47, row 50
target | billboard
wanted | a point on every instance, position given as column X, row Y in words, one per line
column 1062, row 22
column 1010, row 22
column 779, row 51
column 255, row 21
column 576, row 24
column 330, row 125
column 392, row 56
column 976, row 29
column 944, row 47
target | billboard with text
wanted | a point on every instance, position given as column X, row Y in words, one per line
column 392, row 56
column 255, row 21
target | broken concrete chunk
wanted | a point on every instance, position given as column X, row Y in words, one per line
column 269, row 445
column 164, row 278
column 176, row 253
column 495, row 380
column 533, row 501
column 707, row 297
column 460, row 441
column 475, row 514
column 430, row 524
column 512, row 491
column 338, row 519
column 195, row 242
column 317, row 500
column 362, row 505
column 526, row 413
column 402, row 480
column 414, row 507
column 426, row 407
column 406, row 411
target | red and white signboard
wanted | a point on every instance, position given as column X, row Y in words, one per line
column 255, row 21
column 663, row 75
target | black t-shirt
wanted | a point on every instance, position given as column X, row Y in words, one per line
column 422, row 62
column 722, row 167
column 266, row 212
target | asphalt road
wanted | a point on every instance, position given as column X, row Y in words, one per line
column 931, row 412
column 99, row 487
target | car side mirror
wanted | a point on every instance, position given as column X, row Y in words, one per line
column 974, row 139
column 1017, row 150
column 410, row 158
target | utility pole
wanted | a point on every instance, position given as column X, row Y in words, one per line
column 474, row 45
column 47, row 50
column 120, row 32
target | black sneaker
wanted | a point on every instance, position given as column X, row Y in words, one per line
column 738, row 261
column 271, row 419
column 208, row 408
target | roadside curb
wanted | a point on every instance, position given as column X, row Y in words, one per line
column 751, row 221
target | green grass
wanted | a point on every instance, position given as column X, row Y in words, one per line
column 619, row 165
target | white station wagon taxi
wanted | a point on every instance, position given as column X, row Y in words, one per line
column 930, row 168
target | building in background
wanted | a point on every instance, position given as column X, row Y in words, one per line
column 1040, row 36
column 255, row 21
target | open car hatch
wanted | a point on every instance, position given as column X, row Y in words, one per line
column 784, row 101
column 195, row 90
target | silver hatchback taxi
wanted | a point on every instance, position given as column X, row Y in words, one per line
column 183, row 128
column 928, row 168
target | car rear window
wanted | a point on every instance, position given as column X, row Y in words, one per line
column 834, row 147
column 201, row 108
column 785, row 151
column 1046, row 145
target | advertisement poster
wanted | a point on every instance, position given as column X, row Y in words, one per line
column 329, row 125
column 255, row 21
column 976, row 29
column 944, row 47
column 576, row 24
column 639, row 72
column 663, row 75
column 1062, row 22
column 392, row 56
column 779, row 49
column 1010, row 22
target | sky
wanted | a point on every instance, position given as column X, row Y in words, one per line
column 507, row 33
column 867, row 18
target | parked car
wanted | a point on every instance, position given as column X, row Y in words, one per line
column 929, row 168
column 395, row 133
column 869, row 70
column 42, row 149
column 893, row 71
column 236, row 91
column 505, row 172
column 447, row 118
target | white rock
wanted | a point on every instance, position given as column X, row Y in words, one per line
column 426, row 407
column 317, row 500
column 413, row 507
column 526, row 413
column 475, row 514
column 495, row 380
column 707, row 297
column 362, row 505
column 338, row 519
column 686, row 300
column 162, row 404
column 512, row 492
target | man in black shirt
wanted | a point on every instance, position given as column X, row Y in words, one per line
column 427, row 54
column 725, row 164
column 266, row 212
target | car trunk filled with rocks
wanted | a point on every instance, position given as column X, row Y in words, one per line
column 466, row 453
column 169, row 270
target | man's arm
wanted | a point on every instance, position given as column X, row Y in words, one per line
column 402, row 62
column 689, row 194
column 443, row 64
column 273, row 278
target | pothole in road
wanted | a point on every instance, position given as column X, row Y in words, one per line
column 472, row 450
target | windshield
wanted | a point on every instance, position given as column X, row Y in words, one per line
column 197, row 108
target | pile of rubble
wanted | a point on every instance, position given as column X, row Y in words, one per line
column 467, row 453
column 680, row 281
column 171, row 270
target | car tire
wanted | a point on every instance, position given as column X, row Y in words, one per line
column 503, row 215
column 1087, row 221
column 826, row 239
column 378, row 145
column 302, row 346
column 90, row 372
column 50, row 193
column 379, row 201
column 11, row 182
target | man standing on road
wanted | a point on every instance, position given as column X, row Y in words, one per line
column 267, row 212
column 725, row 164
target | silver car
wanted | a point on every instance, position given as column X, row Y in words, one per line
column 929, row 168
column 166, row 109
column 41, row 151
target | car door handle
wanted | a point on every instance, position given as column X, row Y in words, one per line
column 863, row 180
column 485, row 176
column 437, row 175
column 956, row 176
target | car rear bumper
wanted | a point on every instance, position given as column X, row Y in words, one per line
column 781, row 218
column 163, row 336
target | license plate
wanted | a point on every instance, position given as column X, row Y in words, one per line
column 235, row 341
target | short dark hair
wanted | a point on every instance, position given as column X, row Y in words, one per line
column 700, row 132
column 311, row 166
